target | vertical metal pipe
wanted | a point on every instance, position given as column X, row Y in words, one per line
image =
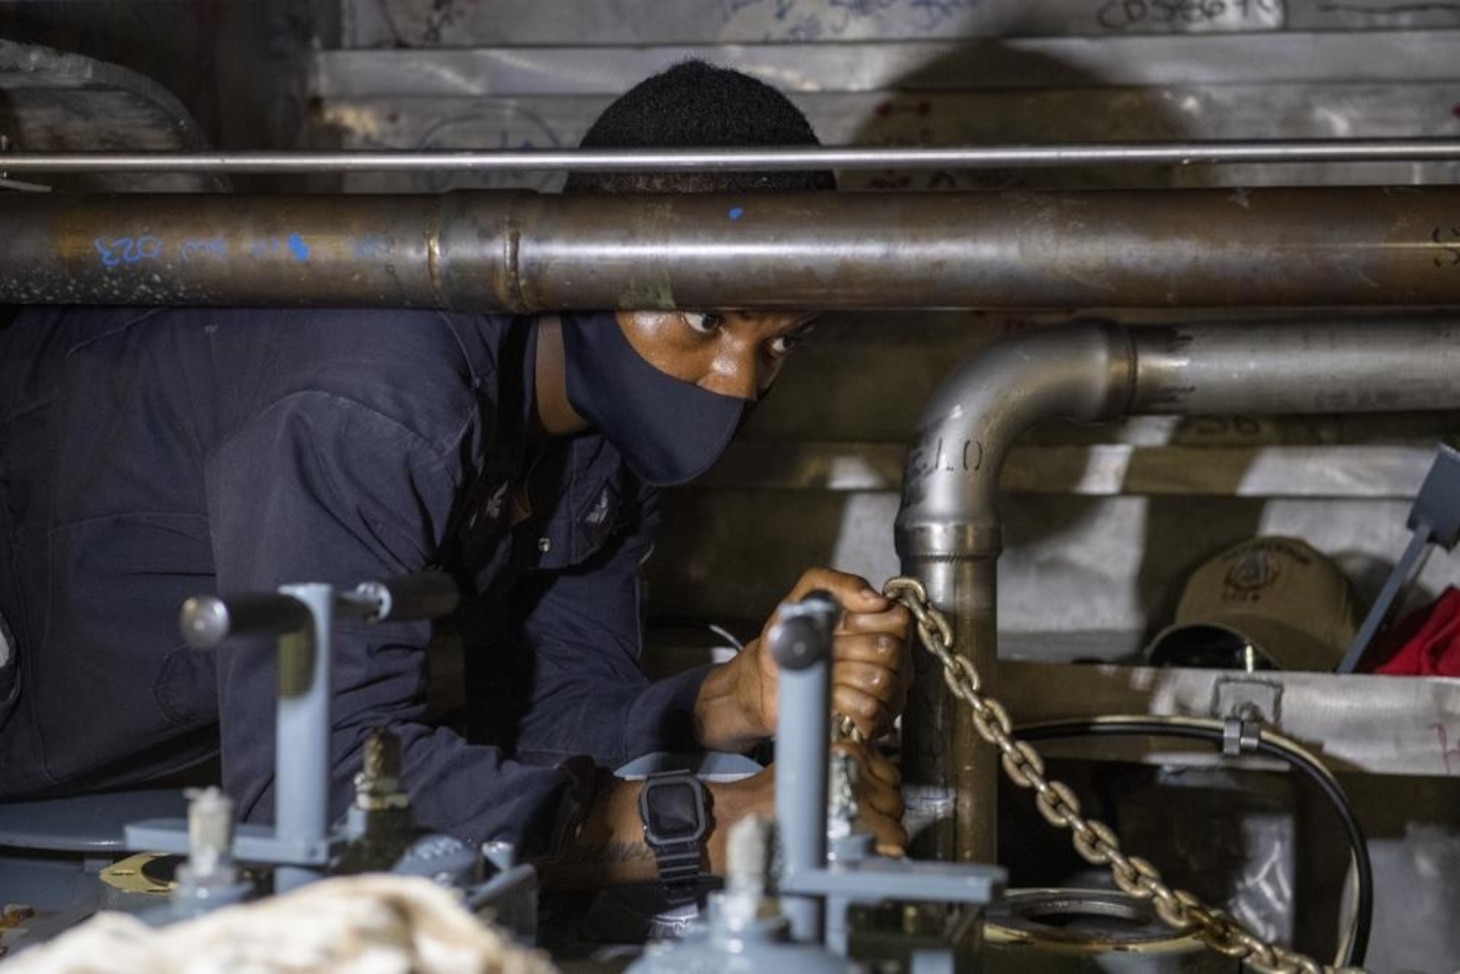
column 969, row 585
column 800, row 643
column 302, row 746
column 949, row 535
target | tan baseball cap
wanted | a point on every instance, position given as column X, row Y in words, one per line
column 1268, row 603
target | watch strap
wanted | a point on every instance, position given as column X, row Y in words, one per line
column 679, row 871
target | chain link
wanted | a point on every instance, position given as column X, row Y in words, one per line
column 1093, row 840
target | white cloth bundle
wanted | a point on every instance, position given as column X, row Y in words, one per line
column 370, row 924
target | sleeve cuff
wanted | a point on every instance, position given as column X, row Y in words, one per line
column 663, row 718
column 585, row 781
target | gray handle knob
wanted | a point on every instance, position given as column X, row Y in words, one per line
column 207, row 620
column 424, row 595
column 801, row 634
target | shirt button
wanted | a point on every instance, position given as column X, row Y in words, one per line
column 544, row 545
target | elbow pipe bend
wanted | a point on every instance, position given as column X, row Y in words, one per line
column 1082, row 371
column 1093, row 371
column 948, row 530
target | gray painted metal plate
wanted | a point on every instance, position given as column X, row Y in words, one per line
column 86, row 823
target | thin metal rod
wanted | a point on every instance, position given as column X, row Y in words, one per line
column 302, row 745
column 800, row 643
column 524, row 252
column 748, row 160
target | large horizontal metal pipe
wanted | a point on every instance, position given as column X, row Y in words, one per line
column 1379, row 365
column 747, row 160
column 528, row 252
column 949, row 529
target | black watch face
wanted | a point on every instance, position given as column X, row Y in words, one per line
column 674, row 812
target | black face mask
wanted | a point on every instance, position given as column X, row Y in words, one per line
column 668, row 430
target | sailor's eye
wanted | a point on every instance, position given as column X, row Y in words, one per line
column 783, row 344
column 704, row 322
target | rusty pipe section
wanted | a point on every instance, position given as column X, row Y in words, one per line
column 524, row 252
column 949, row 530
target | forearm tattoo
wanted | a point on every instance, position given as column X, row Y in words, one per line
column 603, row 853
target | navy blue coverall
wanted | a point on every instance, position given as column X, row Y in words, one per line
column 147, row 455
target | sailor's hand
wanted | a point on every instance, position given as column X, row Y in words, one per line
column 871, row 669
column 878, row 788
column 876, row 784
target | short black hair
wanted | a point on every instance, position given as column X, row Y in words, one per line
column 696, row 105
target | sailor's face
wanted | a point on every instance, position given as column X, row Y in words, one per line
column 732, row 353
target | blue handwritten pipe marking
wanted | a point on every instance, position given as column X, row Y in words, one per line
column 298, row 247
column 203, row 248
column 736, row 212
column 114, row 251
column 109, row 258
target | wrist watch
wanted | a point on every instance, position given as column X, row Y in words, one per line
column 675, row 810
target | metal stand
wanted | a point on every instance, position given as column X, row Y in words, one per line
column 818, row 881
column 300, row 845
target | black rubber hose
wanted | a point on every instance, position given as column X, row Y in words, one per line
column 1359, row 945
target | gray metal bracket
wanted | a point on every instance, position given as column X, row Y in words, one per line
column 251, row 843
column 879, row 880
column 1434, row 519
column 301, row 617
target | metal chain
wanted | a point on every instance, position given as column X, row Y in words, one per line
column 1092, row 839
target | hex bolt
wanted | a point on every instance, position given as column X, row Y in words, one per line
column 747, row 869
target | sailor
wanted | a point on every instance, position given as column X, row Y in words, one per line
column 152, row 454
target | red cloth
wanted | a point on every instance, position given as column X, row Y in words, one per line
column 1424, row 643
